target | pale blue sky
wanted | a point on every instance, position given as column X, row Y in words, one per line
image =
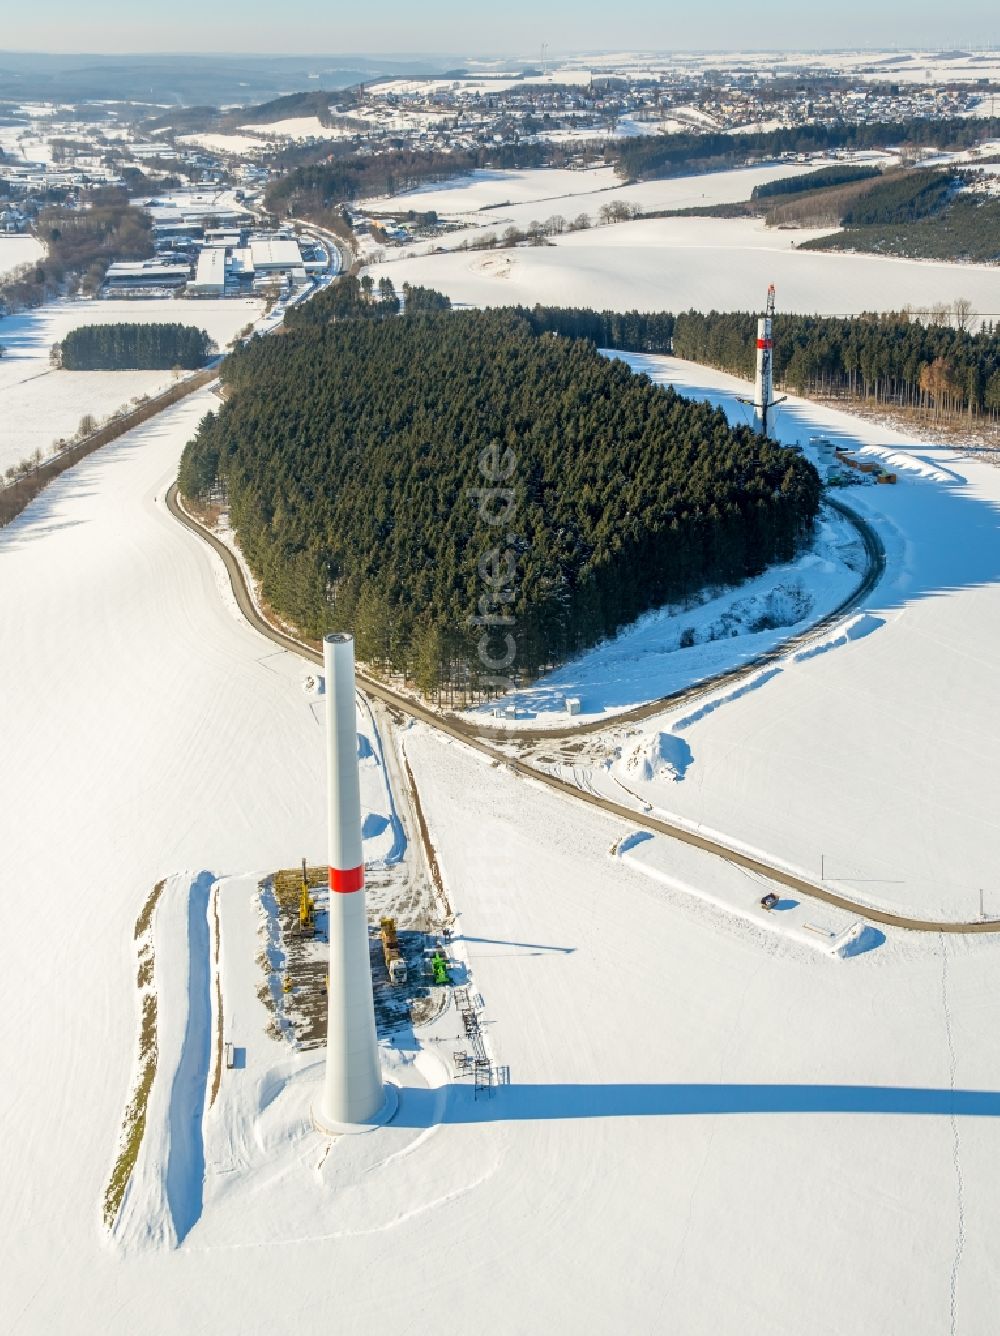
column 503, row 26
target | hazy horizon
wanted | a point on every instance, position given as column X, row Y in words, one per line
column 568, row 27
column 493, row 57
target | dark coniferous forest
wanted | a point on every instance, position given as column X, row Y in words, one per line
column 892, row 358
column 126, row 347
column 417, row 479
column 649, row 156
column 935, row 365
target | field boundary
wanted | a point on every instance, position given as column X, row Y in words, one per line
column 16, row 496
column 134, row 1122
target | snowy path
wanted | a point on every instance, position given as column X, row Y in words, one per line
column 588, row 789
column 872, row 763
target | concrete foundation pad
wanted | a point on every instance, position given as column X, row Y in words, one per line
column 384, row 1115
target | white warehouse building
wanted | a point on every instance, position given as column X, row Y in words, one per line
column 210, row 279
column 275, row 254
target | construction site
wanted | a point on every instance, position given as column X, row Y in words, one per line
column 412, row 976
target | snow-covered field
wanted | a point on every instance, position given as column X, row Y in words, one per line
column 38, row 405
column 871, row 756
column 18, row 250
column 147, row 731
column 674, row 647
column 710, row 1127
column 677, row 263
column 495, row 199
column 489, row 187
column 254, row 138
column 498, row 81
column 664, row 263
column 723, row 1133
column 929, row 67
column 22, row 142
column 297, row 127
column 226, row 143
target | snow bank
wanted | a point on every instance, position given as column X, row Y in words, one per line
column 163, row 1199
column 819, row 927
column 658, row 755
column 678, row 646
column 855, row 629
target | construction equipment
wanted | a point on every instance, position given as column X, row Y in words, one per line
column 394, row 961
column 866, row 466
column 307, row 921
column 439, row 968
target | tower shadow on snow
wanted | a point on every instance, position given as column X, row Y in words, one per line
column 534, row 1103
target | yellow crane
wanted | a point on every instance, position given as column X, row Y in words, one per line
column 307, row 923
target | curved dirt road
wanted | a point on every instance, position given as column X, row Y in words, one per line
column 458, row 730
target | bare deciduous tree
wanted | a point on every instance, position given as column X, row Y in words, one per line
column 963, row 313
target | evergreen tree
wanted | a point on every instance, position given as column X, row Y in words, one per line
column 473, row 497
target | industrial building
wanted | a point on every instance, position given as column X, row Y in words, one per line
column 275, row 254
column 210, row 276
column 229, row 261
column 142, row 275
column 206, row 245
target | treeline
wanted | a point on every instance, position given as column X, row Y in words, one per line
column 471, row 498
column 838, row 175
column 126, row 347
column 892, row 359
column 80, row 243
column 901, row 199
column 931, row 365
column 353, row 298
column 920, row 215
column 26, row 481
column 314, row 189
column 652, row 156
column 631, row 331
column 315, row 103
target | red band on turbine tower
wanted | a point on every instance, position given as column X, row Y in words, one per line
column 343, row 883
column 765, row 343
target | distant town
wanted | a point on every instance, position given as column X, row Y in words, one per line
column 201, row 175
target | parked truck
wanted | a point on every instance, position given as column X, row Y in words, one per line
column 394, row 961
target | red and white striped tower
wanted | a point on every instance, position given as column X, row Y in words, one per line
column 763, row 392
column 352, row 1093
